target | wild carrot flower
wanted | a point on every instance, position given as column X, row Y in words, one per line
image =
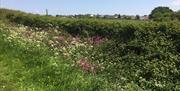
column 50, row 42
column 59, row 38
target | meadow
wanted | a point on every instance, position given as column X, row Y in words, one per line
column 46, row 53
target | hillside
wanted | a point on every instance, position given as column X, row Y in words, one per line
column 39, row 53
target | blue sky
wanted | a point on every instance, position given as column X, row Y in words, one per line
column 65, row 7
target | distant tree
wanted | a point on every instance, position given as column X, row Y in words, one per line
column 176, row 15
column 98, row 16
column 137, row 17
column 57, row 15
column 161, row 14
column 119, row 16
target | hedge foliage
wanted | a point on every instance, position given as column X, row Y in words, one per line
column 85, row 26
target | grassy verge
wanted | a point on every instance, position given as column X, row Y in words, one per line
column 26, row 66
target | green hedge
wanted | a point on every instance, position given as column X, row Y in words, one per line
column 87, row 27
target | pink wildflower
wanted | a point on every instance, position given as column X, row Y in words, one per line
column 86, row 67
column 59, row 38
column 97, row 40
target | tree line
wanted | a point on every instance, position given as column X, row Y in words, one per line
column 164, row 14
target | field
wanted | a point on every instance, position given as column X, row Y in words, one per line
column 46, row 53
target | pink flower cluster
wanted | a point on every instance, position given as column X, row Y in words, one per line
column 97, row 40
column 77, row 39
column 59, row 38
column 86, row 66
column 27, row 33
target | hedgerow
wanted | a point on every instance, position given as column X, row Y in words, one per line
column 132, row 55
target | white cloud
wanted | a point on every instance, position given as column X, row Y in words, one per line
column 176, row 2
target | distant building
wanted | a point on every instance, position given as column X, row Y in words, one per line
column 132, row 17
column 109, row 16
column 129, row 17
column 99, row 16
column 116, row 16
column 145, row 17
column 89, row 15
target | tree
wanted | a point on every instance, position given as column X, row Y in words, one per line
column 161, row 14
column 176, row 15
column 137, row 17
column 119, row 16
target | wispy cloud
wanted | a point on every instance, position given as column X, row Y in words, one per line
column 176, row 2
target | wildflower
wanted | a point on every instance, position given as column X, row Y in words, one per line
column 97, row 40
column 56, row 53
column 73, row 42
column 66, row 54
column 64, row 49
column 60, row 38
column 91, row 46
column 86, row 66
column 76, row 39
column 38, row 45
column 82, row 45
column 54, row 64
column 50, row 42
column 27, row 34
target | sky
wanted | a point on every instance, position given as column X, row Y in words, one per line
column 67, row 7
